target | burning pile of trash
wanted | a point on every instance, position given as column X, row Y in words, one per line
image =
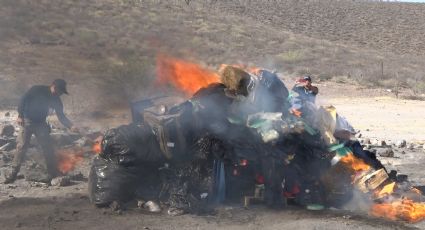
column 241, row 136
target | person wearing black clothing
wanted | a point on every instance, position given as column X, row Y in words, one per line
column 33, row 110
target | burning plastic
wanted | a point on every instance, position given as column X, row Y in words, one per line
column 204, row 140
column 69, row 158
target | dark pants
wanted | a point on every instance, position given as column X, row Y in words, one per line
column 42, row 133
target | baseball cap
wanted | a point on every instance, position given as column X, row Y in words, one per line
column 307, row 78
column 60, row 85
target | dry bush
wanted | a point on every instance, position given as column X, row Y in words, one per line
column 414, row 97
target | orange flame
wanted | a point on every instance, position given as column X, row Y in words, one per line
column 68, row 159
column 398, row 209
column 97, row 147
column 403, row 209
column 354, row 163
column 185, row 76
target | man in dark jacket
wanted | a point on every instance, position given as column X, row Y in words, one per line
column 33, row 110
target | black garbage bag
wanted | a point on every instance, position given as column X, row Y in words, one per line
column 129, row 145
column 110, row 182
column 188, row 186
column 187, row 189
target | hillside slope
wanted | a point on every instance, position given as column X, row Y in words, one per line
column 107, row 49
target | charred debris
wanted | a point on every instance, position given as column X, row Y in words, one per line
column 248, row 139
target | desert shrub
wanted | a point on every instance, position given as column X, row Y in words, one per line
column 414, row 97
column 341, row 79
column 419, row 87
column 291, row 56
column 303, row 71
column 417, row 84
column 324, row 77
column 85, row 35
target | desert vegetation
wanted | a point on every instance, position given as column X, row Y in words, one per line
column 107, row 49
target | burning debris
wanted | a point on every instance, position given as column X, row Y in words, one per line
column 69, row 158
column 71, row 149
column 241, row 135
column 393, row 199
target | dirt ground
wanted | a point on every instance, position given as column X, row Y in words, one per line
column 25, row 205
column 75, row 212
column 377, row 113
column 97, row 44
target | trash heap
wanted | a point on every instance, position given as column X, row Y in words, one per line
column 245, row 139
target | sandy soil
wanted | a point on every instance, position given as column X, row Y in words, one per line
column 384, row 117
column 377, row 113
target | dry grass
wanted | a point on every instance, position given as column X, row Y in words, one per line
column 106, row 49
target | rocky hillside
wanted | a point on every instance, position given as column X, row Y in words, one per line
column 386, row 26
column 107, row 49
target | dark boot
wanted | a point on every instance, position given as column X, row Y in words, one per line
column 11, row 176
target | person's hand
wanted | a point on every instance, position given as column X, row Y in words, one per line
column 20, row 121
column 300, row 82
column 295, row 112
